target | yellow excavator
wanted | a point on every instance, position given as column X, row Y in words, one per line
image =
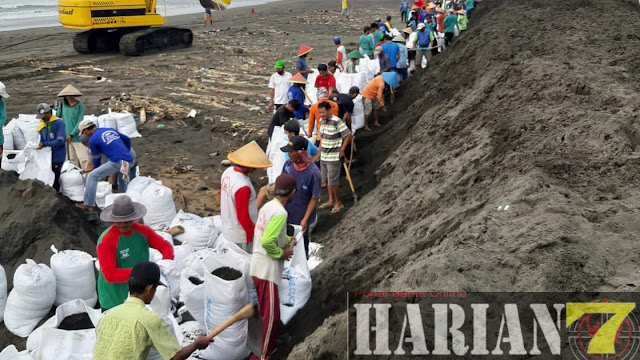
column 131, row 26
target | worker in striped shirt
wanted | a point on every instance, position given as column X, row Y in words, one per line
column 335, row 136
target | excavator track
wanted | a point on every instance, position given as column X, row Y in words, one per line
column 155, row 39
column 96, row 41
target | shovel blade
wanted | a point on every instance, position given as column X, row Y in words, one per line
column 254, row 336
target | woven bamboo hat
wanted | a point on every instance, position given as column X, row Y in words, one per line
column 251, row 156
column 298, row 79
column 70, row 90
column 399, row 39
column 408, row 30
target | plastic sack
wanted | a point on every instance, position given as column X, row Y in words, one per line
column 294, row 289
column 231, row 250
column 192, row 293
column 310, row 88
column 25, row 131
column 126, row 124
column 315, row 255
column 180, row 253
column 48, row 342
column 104, row 189
column 107, row 121
column 357, row 120
column 75, row 277
column 161, row 305
column 137, row 186
column 11, row 353
column 160, row 206
column 198, row 232
column 13, row 160
column 3, row 292
column 196, row 259
column 8, row 137
column 72, row 182
column 33, row 295
column 275, row 155
column 223, row 299
column 170, row 276
column 37, row 164
column 109, row 199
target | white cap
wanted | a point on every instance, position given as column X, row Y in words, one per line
column 84, row 124
column 421, row 26
column 3, row 91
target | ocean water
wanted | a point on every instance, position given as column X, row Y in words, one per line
column 25, row 14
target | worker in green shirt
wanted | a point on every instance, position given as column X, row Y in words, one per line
column 366, row 42
column 130, row 330
column 3, row 115
column 462, row 20
column 71, row 110
column 470, row 5
column 450, row 23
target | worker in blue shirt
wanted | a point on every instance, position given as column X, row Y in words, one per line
column 52, row 134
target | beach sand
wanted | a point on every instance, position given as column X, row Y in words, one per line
column 238, row 52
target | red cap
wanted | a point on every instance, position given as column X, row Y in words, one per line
column 285, row 182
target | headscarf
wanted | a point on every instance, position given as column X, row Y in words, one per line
column 303, row 161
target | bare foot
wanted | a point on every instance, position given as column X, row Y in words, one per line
column 84, row 207
column 377, row 125
column 367, row 128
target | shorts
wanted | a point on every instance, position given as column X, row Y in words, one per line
column 346, row 12
column 370, row 105
column 330, row 172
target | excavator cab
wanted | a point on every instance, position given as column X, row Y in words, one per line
column 125, row 25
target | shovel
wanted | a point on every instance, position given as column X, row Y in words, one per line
column 347, row 170
column 254, row 341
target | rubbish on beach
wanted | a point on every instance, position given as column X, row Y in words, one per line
column 256, row 108
column 192, row 113
column 160, row 126
column 503, row 207
column 100, row 79
column 225, row 162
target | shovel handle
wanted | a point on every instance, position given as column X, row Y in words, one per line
column 242, row 314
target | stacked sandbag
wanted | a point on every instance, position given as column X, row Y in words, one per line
column 294, row 289
column 33, row 295
column 25, row 131
column 103, row 190
column 225, row 294
column 107, row 121
column 13, row 160
column 198, row 232
column 196, row 259
column 110, row 198
column 69, row 334
column 161, row 210
column 75, row 277
column 37, row 164
column 161, row 305
column 180, row 253
column 170, row 276
column 192, row 293
column 11, row 353
column 3, row 292
column 126, row 124
column 137, row 186
column 72, row 182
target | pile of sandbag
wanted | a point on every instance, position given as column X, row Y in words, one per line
column 294, row 289
column 199, row 232
column 137, row 186
column 161, row 305
column 345, row 81
column 37, row 164
column 11, row 353
column 24, row 130
column 310, row 88
column 103, row 191
column 123, row 121
column 69, row 334
column 75, row 277
column 72, row 182
column 33, row 295
column 369, row 67
column 161, row 210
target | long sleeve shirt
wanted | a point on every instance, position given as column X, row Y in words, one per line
column 52, row 134
column 72, row 116
column 281, row 116
column 237, row 206
column 110, row 143
column 367, row 45
column 267, row 262
column 296, row 93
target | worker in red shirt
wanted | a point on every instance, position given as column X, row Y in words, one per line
column 122, row 246
column 325, row 79
column 238, row 209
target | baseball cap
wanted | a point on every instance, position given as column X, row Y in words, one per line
column 279, row 64
column 421, row 26
column 336, row 40
column 354, row 90
column 41, row 110
column 147, row 273
column 296, row 143
column 332, row 63
column 85, row 124
column 378, row 20
column 285, row 182
column 3, row 91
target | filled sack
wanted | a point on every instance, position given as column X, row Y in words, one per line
column 33, row 295
column 107, row 121
column 8, row 137
column 161, row 305
column 275, row 155
column 192, row 293
column 13, row 160
column 225, row 294
column 103, row 190
column 357, row 120
column 230, row 250
column 69, row 334
column 294, row 289
column 198, row 232
column 72, row 182
column 3, row 292
column 161, row 209
column 11, row 353
column 137, row 186
column 37, row 164
column 180, row 253
column 126, row 124
column 109, row 199
column 75, row 277
column 25, row 131
column 170, row 276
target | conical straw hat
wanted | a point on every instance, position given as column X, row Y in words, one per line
column 70, row 90
column 408, row 30
column 298, row 79
column 304, row 49
column 251, row 156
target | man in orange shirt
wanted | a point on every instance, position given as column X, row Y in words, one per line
column 314, row 114
column 373, row 96
column 440, row 19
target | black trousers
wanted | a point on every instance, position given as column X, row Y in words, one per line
column 57, row 168
column 448, row 38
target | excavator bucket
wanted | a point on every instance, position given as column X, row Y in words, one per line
column 215, row 4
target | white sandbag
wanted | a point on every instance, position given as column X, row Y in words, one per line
column 315, row 255
column 8, row 137
column 170, row 276
column 275, row 155
column 294, row 289
column 3, row 292
column 72, row 182
column 223, row 299
column 180, row 253
column 172, row 324
column 190, row 332
column 13, row 160
column 33, row 295
column 126, row 124
column 231, row 250
column 154, row 255
column 310, row 88
column 19, row 142
column 107, row 121
column 357, row 120
column 25, row 131
column 345, row 81
column 92, row 118
column 198, row 232
column 196, row 259
column 11, row 353
column 137, row 186
column 369, row 67
column 216, row 221
column 37, row 164
column 192, row 294
column 75, row 277
column 50, row 343
column 160, row 206
column 104, row 189
column 109, row 199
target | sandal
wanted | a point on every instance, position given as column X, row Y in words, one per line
column 336, row 210
column 325, row 206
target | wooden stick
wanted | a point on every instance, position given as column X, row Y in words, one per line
column 353, row 190
column 244, row 313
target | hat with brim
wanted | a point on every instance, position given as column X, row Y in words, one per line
column 408, row 30
column 355, row 54
column 431, row 6
column 251, row 156
column 390, row 78
column 461, row 12
column 298, row 79
column 421, row 26
column 122, row 210
column 70, row 90
column 304, row 49
column 399, row 39
column 414, row 6
column 440, row 10
column 3, row 91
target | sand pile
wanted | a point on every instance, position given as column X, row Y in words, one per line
column 33, row 219
column 537, row 111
